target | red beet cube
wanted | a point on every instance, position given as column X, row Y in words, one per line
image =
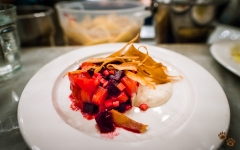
column 105, row 122
column 99, row 96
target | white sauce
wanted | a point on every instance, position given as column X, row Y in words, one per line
column 152, row 97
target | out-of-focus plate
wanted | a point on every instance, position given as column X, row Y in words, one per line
column 224, row 32
column 221, row 51
column 193, row 117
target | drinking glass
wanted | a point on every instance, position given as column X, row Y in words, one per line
column 9, row 41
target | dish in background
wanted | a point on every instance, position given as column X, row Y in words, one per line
column 221, row 51
column 224, row 33
column 35, row 25
column 45, row 117
column 94, row 22
column 185, row 21
column 235, row 52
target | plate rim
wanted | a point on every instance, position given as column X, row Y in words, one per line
column 223, row 60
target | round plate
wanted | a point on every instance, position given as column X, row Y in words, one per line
column 221, row 51
column 193, row 117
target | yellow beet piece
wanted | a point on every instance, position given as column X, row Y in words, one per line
column 123, row 121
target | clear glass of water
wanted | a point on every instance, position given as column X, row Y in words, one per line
column 9, row 41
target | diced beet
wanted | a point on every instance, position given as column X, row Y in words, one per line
column 103, row 80
column 129, row 102
column 121, row 108
column 105, row 84
column 85, row 96
column 103, row 74
column 91, row 72
column 120, row 86
column 99, row 96
column 102, row 70
column 105, row 122
column 131, row 86
column 111, row 71
column 114, row 82
column 117, row 76
column 122, row 97
column 112, row 89
column 75, row 92
column 96, row 74
column 124, row 106
column 90, row 108
column 108, row 103
column 143, row 106
column 106, row 72
column 128, row 107
column 111, row 76
column 115, row 103
column 84, row 81
column 76, row 105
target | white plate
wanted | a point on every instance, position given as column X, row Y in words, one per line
column 221, row 51
column 224, row 32
column 192, row 119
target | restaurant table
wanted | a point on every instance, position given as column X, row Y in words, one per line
column 36, row 57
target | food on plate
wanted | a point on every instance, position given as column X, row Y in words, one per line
column 235, row 52
column 108, row 120
column 152, row 97
column 104, row 88
column 101, row 29
column 125, row 122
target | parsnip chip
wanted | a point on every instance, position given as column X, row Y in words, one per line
column 128, row 58
column 139, row 79
column 123, row 66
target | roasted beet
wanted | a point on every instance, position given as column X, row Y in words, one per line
column 114, row 82
column 79, row 68
column 90, row 108
column 121, row 108
column 124, row 106
column 112, row 88
column 91, row 72
column 102, row 69
column 102, row 73
column 129, row 102
column 117, row 76
column 105, row 122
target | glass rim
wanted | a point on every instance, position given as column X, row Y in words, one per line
column 43, row 11
column 60, row 7
column 10, row 7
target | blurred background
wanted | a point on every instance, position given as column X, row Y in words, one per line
column 169, row 21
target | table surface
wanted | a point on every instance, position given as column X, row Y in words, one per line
column 36, row 57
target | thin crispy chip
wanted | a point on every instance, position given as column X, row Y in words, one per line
column 124, row 66
column 129, row 58
column 139, row 79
